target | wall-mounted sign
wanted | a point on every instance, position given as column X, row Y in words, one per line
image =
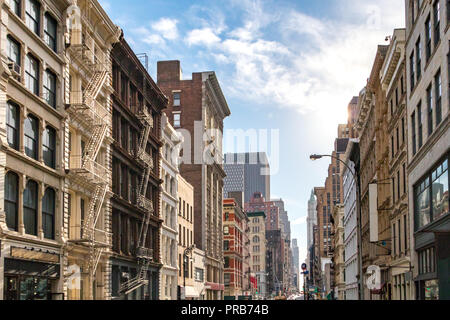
column 304, row 266
column 35, row 255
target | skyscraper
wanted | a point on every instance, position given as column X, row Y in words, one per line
column 247, row 172
column 312, row 218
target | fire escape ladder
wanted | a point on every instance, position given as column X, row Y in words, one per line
column 95, row 143
column 95, row 85
column 144, row 255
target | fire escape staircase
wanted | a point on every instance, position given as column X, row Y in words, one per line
column 144, row 255
column 85, row 107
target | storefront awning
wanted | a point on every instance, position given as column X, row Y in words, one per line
column 31, row 269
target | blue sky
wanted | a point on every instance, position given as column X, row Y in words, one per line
column 291, row 66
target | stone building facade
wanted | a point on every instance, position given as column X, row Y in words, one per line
column 258, row 245
column 33, row 231
column 136, row 205
column 427, row 56
column 186, row 237
column 169, row 234
column 197, row 109
column 393, row 80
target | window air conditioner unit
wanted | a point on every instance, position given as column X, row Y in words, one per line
column 15, row 69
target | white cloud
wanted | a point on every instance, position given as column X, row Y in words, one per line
column 300, row 62
column 167, row 28
column 205, row 36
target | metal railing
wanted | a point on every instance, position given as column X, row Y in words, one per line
column 97, row 170
column 144, row 253
column 144, row 202
column 89, row 107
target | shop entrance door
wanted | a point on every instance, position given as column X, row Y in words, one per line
column 26, row 288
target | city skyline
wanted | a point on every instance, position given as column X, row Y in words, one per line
column 235, row 40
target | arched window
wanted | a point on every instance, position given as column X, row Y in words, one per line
column 48, row 213
column 30, row 204
column 255, row 239
column 31, row 136
column 12, row 125
column 11, row 200
column 49, row 147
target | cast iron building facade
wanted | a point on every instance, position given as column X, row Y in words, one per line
column 136, row 221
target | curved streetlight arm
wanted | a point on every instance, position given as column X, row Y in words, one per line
column 358, row 199
column 320, row 156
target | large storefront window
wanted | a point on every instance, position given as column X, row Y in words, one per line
column 440, row 190
column 29, row 280
column 431, row 196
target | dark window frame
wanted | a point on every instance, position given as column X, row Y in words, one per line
column 49, row 149
column 29, row 18
column 30, row 212
column 12, row 205
column 48, row 213
column 30, row 76
column 33, row 140
column 49, row 93
column 51, row 39
column 13, row 128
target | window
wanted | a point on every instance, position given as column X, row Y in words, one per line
column 32, row 15
column 199, row 274
column 15, row 7
column 404, row 178
column 48, row 213
column 226, row 245
column 13, row 51
column 403, row 131
column 32, row 74
column 419, row 59
column 31, row 130
column 430, row 109
column 176, row 99
column 437, row 21
column 413, row 132
column 256, row 239
column 50, row 28
column 411, row 69
column 438, row 88
column 431, row 196
column 30, row 201
column 82, row 206
column 12, row 125
column 49, row 147
column 392, row 148
column 227, row 262
column 398, row 138
column 176, row 119
column 428, row 38
column 11, row 200
column 394, row 242
column 226, row 230
column 419, row 118
column 50, row 88
column 439, row 189
column 226, row 278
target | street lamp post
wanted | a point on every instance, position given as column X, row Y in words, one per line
column 186, row 253
column 358, row 204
